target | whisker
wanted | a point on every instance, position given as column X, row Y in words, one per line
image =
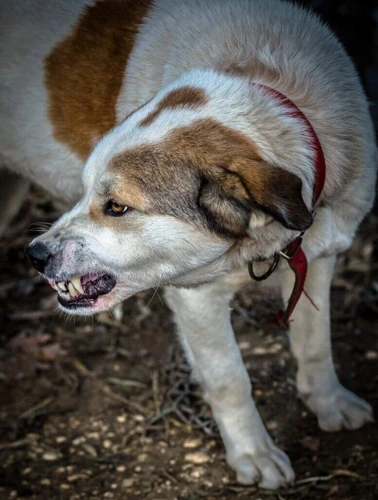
column 153, row 296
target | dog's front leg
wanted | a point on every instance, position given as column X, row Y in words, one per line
column 310, row 339
column 203, row 319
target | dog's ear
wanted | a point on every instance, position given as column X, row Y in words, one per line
column 223, row 201
column 276, row 192
column 230, row 196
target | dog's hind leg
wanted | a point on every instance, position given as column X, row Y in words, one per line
column 310, row 338
column 203, row 318
column 13, row 189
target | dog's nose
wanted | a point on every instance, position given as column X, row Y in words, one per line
column 39, row 255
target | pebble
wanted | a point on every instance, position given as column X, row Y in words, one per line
column 121, row 419
column 198, row 472
column 121, row 468
column 50, row 456
column 61, row 439
column 107, row 444
column 371, row 355
column 197, row 458
column 272, row 425
column 192, row 443
column 244, row 345
column 94, row 435
column 91, row 450
column 76, row 477
column 139, row 418
column 259, row 350
column 127, row 483
column 79, row 440
column 64, row 486
column 45, row 482
column 275, row 348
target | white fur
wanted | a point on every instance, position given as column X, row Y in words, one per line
column 33, row 27
column 189, row 43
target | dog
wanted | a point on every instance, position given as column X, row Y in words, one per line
column 188, row 135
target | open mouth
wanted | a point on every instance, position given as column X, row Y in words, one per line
column 83, row 291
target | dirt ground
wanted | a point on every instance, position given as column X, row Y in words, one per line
column 95, row 408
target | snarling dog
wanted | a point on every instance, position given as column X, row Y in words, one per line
column 192, row 126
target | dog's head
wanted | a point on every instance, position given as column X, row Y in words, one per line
column 171, row 196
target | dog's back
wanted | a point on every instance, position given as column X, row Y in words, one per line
column 271, row 41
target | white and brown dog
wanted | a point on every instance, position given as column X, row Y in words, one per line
column 191, row 167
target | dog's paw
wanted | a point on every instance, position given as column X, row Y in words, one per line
column 269, row 467
column 340, row 410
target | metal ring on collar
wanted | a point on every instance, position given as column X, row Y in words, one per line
column 268, row 272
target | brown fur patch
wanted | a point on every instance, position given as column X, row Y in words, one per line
column 208, row 173
column 84, row 72
column 184, row 97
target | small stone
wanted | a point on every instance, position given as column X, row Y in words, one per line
column 61, row 439
column 275, row 348
column 64, row 486
column 94, row 435
column 76, row 477
column 138, row 468
column 121, row 419
column 244, row 345
column 121, row 468
column 107, row 444
column 142, row 457
column 50, row 456
column 26, row 471
column 79, row 440
column 127, row 483
column 198, row 472
column 192, row 443
column 91, row 450
column 45, row 482
column 259, row 351
column 113, row 486
column 139, row 418
column 197, row 458
column 272, row 425
column 371, row 355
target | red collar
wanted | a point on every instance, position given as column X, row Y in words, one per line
column 293, row 253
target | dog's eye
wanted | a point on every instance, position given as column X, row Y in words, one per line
column 115, row 209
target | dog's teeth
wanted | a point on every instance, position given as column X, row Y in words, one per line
column 77, row 285
column 62, row 286
column 71, row 289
